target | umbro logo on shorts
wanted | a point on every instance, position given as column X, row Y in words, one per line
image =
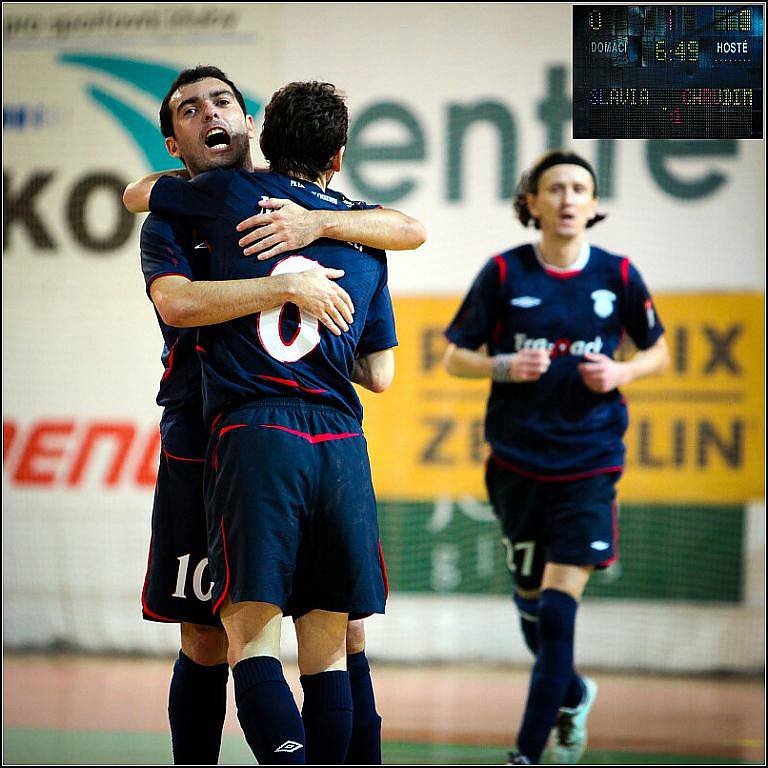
column 289, row 746
column 600, row 546
column 201, row 245
column 526, row 302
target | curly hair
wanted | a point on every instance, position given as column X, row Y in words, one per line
column 305, row 125
column 529, row 184
column 185, row 77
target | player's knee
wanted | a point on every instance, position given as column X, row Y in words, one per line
column 204, row 645
column 355, row 636
column 321, row 637
column 314, row 661
column 527, row 594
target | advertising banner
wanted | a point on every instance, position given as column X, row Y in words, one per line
column 449, row 103
column 695, row 434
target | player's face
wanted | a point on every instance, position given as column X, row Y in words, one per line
column 210, row 128
column 565, row 200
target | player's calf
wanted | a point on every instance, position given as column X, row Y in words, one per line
column 365, row 744
column 327, row 710
column 266, row 709
column 552, row 672
column 197, row 705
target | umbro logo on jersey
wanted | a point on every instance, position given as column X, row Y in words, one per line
column 600, row 546
column 201, row 245
column 289, row 746
column 526, row 302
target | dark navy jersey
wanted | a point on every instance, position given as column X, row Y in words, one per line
column 556, row 427
column 282, row 351
column 170, row 248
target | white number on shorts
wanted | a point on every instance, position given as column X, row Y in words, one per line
column 268, row 323
column 528, row 548
column 197, row 579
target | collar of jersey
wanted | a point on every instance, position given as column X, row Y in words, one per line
column 577, row 265
column 307, row 184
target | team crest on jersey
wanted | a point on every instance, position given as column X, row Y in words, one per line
column 526, row 302
column 603, row 302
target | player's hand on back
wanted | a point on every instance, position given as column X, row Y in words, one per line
column 315, row 291
column 283, row 226
column 601, row 373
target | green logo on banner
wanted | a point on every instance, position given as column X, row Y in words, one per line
column 149, row 77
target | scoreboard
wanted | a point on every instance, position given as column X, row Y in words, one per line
column 683, row 71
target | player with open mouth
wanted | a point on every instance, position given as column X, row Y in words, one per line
column 544, row 321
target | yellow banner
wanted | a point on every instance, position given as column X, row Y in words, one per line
column 696, row 434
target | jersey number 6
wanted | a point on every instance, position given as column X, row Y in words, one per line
column 307, row 335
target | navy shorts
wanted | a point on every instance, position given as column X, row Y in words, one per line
column 291, row 510
column 177, row 586
column 571, row 522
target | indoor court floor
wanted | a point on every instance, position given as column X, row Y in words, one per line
column 85, row 710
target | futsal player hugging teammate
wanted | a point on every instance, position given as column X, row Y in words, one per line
column 289, row 527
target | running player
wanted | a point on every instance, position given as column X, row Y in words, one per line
column 543, row 321
column 176, row 265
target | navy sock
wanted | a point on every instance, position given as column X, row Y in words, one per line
column 574, row 694
column 529, row 623
column 197, row 704
column 327, row 715
column 552, row 672
column 267, row 711
column 365, row 746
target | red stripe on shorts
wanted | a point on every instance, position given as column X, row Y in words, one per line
column 615, row 515
column 321, row 438
column 554, row 478
column 144, row 593
column 226, row 568
column 384, row 571
column 224, row 430
column 179, row 458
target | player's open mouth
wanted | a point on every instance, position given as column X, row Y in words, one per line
column 217, row 138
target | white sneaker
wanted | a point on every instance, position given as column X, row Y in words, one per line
column 568, row 738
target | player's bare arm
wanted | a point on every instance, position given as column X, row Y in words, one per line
column 523, row 366
column 289, row 226
column 602, row 374
column 286, row 226
column 185, row 303
column 375, row 371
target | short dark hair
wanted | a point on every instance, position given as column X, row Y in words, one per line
column 185, row 77
column 529, row 183
column 305, row 125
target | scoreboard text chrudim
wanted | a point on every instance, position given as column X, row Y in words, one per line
column 668, row 71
